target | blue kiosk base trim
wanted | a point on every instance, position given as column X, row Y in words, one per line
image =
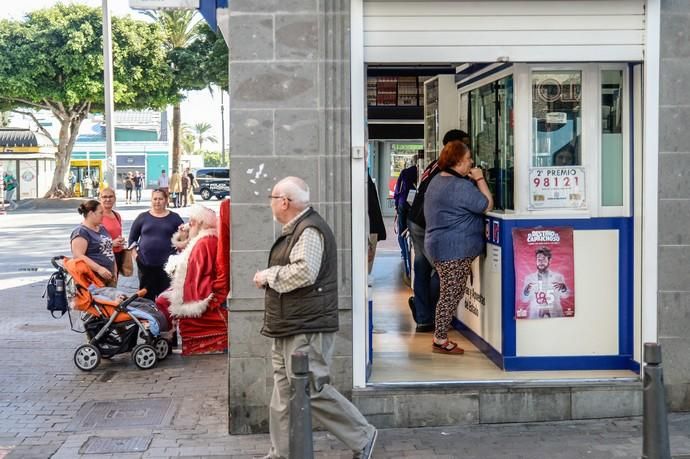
column 479, row 342
column 635, row 366
column 586, row 362
column 593, row 362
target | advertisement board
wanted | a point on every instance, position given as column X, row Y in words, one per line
column 557, row 188
column 544, row 273
column 28, row 188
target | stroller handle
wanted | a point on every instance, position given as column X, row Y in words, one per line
column 54, row 260
column 139, row 294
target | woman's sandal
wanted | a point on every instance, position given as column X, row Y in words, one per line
column 449, row 347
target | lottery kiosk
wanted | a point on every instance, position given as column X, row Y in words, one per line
column 557, row 286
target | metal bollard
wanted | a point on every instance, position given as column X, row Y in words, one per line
column 655, row 443
column 301, row 440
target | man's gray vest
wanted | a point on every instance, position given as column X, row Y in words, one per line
column 310, row 309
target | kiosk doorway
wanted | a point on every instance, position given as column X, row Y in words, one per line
column 520, row 119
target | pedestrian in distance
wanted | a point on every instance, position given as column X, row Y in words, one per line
column 185, row 187
column 150, row 236
column 175, row 189
column 96, row 186
column 138, row 185
column 9, row 185
column 193, row 184
column 163, row 183
column 91, row 242
column 87, row 186
column 301, row 314
column 454, row 209
column 72, row 180
column 129, row 187
column 112, row 221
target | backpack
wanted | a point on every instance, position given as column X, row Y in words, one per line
column 56, row 296
column 416, row 213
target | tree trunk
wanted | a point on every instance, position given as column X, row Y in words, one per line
column 176, row 128
column 69, row 130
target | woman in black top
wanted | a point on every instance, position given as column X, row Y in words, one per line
column 151, row 233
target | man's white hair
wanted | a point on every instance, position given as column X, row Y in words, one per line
column 296, row 189
column 203, row 215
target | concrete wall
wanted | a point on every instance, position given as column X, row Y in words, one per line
column 289, row 115
column 674, row 205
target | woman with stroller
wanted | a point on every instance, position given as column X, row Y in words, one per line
column 112, row 221
column 91, row 242
column 150, row 235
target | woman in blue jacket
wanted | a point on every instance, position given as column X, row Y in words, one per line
column 454, row 209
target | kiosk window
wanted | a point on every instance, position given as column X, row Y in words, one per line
column 491, row 134
column 556, row 118
column 611, row 138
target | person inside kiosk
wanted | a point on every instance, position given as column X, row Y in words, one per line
column 426, row 282
column 454, row 209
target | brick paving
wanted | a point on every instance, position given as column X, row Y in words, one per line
column 42, row 395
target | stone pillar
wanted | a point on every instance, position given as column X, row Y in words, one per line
column 674, row 206
column 289, row 115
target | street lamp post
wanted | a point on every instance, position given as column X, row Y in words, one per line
column 222, row 127
column 109, row 109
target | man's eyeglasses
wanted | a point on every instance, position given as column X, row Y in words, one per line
column 270, row 196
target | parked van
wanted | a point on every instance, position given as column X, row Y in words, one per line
column 213, row 181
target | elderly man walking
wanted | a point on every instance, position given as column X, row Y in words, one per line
column 301, row 314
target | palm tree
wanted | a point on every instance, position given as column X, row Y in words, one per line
column 180, row 29
column 200, row 131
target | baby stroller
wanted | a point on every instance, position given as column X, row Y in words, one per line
column 113, row 323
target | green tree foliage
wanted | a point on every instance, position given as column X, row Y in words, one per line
column 198, row 58
column 53, row 59
column 213, row 159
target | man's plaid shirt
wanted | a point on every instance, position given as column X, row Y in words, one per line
column 305, row 260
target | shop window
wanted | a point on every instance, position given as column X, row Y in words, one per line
column 612, row 138
column 491, row 135
column 556, row 118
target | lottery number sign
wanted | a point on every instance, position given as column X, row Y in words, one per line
column 557, row 187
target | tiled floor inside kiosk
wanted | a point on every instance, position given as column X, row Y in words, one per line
column 402, row 355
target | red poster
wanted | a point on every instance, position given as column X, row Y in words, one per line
column 544, row 273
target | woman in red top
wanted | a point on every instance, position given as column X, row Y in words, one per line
column 113, row 224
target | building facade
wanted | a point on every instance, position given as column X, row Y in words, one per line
column 299, row 107
column 30, row 158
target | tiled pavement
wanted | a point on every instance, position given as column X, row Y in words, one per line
column 48, row 408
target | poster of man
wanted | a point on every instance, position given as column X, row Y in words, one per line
column 544, row 273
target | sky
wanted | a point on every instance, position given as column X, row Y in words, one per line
column 200, row 106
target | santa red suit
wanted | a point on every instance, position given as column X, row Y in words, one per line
column 194, row 296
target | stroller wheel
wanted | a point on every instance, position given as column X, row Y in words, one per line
column 144, row 356
column 162, row 348
column 87, row 357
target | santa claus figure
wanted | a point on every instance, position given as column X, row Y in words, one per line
column 195, row 299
